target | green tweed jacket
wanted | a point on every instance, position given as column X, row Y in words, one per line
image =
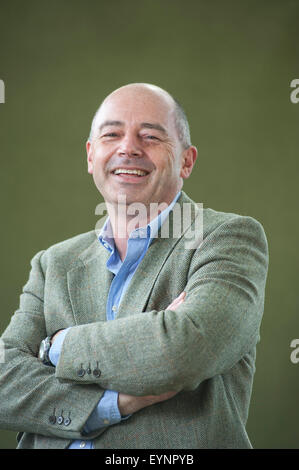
column 205, row 349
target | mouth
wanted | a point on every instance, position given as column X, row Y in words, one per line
column 130, row 175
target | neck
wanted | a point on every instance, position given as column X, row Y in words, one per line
column 125, row 218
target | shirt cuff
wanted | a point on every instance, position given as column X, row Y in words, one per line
column 106, row 412
column 55, row 349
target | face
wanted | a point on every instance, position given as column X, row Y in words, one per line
column 135, row 150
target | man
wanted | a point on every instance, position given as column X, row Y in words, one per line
column 150, row 343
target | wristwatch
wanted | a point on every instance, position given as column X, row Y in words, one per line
column 44, row 349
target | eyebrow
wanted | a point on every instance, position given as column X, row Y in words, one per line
column 147, row 125
column 110, row 123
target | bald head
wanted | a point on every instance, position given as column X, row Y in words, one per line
column 136, row 93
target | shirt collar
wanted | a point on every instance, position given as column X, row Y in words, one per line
column 150, row 231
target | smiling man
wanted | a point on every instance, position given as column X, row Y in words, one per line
column 127, row 339
column 138, row 149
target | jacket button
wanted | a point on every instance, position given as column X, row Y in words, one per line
column 60, row 420
column 97, row 372
column 81, row 372
column 52, row 419
column 67, row 421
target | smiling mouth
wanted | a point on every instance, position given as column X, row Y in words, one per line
column 133, row 172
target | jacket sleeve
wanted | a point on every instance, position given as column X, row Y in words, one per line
column 218, row 323
column 32, row 399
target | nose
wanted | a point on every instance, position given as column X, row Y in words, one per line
column 129, row 147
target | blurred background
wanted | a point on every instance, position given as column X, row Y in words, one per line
column 230, row 63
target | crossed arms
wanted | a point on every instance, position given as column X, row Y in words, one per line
column 129, row 404
column 143, row 354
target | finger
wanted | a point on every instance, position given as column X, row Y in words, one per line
column 181, row 297
column 174, row 305
column 177, row 301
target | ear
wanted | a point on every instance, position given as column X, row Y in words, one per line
column 89, row 157
column 188, row 161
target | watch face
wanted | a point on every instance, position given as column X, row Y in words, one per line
column 44, row 349
column 41, row 354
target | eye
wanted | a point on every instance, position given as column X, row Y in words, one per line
column 151, row 137
column 110, row 134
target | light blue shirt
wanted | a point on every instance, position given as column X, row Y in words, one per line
column 106, row 413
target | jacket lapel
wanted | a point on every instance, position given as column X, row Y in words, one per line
column 88, row 284
column 89, row 280
column 138, row 293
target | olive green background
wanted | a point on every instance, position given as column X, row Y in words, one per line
column 230, row 64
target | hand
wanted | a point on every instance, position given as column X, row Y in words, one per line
column 177, row 302
column 128, row 404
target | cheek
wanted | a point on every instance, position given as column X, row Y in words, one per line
column 164, row 159
column 171, row 162
column 100, row 162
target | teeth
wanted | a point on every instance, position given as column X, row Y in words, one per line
column 130, row 172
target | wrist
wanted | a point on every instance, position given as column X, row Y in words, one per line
column 45, row 348
column 54, row 336
column 56, row 347
column 124, row 403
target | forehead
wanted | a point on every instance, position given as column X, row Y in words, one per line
column 136, row 107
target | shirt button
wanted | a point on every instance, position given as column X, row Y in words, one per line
column 114, row 308
column 82, row 444
column 106, row 421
